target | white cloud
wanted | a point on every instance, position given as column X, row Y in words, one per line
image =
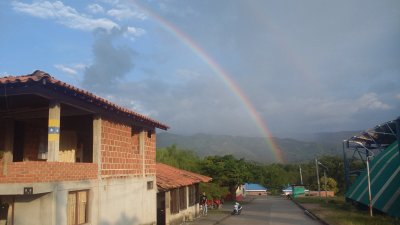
column 124, row 13
column 71, row 70
column 79, row 66
column 112, row 2
column 398, row 96
column 65, row 69
column 322, row 112
column 135, row 31
column 64, row 14
column 95, row 8
column 133, row 105
column 186, row 74
column 71, row 18
column 332, row 107
column 181, row 11
column 371, row 101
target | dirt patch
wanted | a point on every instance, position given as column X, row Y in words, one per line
column 310, row 206
column 317, row 209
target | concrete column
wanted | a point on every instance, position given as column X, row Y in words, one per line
column 97, row 142
column 8, row 145
column 187, row 196
column 96, row 192
column 167, row 207
column 54, row 132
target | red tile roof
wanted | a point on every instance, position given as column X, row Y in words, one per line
column 40, row 76
column 169, row 177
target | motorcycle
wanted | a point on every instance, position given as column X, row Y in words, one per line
column 237, row 209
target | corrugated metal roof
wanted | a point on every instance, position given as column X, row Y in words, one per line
column 40, row 76
column 385, row 182
column 254, row 187
column 378, row 137
column 169, row 177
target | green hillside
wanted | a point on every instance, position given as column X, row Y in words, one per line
column 254, row 148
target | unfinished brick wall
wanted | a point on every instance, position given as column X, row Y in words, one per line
column 2, row 135
column 150, row 152
column 120, row 153
column 37, row 172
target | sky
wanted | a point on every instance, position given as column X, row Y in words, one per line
column 233, row 67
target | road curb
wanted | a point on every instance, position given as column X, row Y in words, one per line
column 309, row 213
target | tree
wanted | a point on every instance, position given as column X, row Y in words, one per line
column 277, row 176
column 335, row 170
column 256, row 173
column 213, row 190
column 226, row 171
column 179, row 158
column 331, row 184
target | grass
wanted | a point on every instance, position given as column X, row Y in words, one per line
column 336, row 211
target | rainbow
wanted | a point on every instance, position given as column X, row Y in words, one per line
column 218, row 70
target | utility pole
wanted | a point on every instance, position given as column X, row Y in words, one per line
column 326, row 192
column 319, row 188
column 325, row 169
column 301, row 176
column 346, row 165
column 369, row 189
column 398, row 133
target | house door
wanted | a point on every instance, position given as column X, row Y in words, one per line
column 6, row 210
column 19, row 136
column 3, row 213
column 161, row 208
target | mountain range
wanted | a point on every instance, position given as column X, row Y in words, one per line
column 256, row 148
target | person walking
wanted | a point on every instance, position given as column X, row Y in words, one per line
column 203, row 202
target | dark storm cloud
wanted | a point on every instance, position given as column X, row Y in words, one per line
column 111, row 63
column 309, row 66
column 198, row 104
column 306, row 67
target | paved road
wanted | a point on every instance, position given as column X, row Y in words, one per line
column 271, row 210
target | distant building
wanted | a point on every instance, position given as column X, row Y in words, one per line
column 299, row 190
column 287, row 191
column 70, row 157
column 254, row 189
column 178, row 195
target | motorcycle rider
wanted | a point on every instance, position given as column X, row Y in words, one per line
column 237, row 209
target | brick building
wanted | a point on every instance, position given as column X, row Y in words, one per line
column 178, row 195
column 70, row 157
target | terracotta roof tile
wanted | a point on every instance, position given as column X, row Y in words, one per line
column 169, row 177
column 38, row 76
